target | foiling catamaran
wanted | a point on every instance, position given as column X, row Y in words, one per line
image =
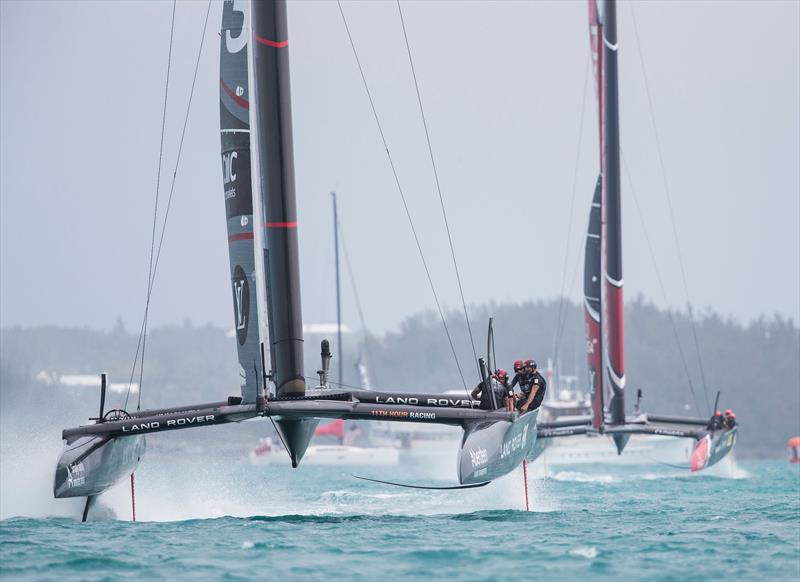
column 259, row 191
column 602, row 287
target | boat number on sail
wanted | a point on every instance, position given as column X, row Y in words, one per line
column 171, row 423
column 241, row 303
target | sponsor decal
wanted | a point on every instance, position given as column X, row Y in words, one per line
column 76, row 475
column 244, row 221
column 241, row 303
column 390, row 413
column 414, row 401
column 229, row 174
column 668, row 432
column 171, row 423
column 423, row 415
column 454, row 402
column 515, row 443
column 397, row 400
column 478, row 457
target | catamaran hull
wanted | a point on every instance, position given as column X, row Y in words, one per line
column 91, row 464
column 491, row 449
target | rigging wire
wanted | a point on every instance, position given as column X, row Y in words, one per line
column 151, row 282
column 561, row 317
column 143, row 333
column 669, row 204
column 402, row 196
column 660, row 280
column 358, row 301
column 438, row 186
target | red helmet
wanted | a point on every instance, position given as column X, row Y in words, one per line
column 728, row 412
column 717, row 413
column 517, row 365
column 501, row 374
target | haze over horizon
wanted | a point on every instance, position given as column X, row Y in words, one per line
column 81, row 92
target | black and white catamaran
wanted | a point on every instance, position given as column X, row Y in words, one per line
column 259, row 192
column 259, row 182
column 603, row 306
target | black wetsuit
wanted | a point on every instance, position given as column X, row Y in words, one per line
column 529, row 382
column 716, row 423
column 499, row 391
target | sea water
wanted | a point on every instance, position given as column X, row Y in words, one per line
column 203, row 517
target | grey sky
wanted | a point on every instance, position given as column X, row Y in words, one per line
column 80, row 111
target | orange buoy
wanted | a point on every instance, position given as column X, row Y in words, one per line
column 794, row 449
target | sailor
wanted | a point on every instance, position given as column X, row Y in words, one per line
column 717, row 421
column 497, row 394
column 533, row 388
column 730, row 419
column 520, row 377
column 508, row 394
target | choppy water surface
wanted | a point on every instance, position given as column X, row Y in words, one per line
column 230, row 520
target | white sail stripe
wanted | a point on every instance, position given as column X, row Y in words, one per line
column 619, row 381
column 590, row 235
column 234, row 131
column 611, row 47
column 595, row 205
column 613, row 281
column 593, row 313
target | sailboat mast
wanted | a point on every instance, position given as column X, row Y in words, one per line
column 273, row 127
column 338, row 289
column 612, row 219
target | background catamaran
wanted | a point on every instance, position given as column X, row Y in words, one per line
column 258, row 174
column 602, row 287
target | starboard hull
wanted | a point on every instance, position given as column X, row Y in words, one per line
column 91, row 464
column 491, row 449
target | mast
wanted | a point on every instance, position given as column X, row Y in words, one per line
column 612, row 231
column 234, row 106
column 272, row 117
column 603, row 28
column 338, row 289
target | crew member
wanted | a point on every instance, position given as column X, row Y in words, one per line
column 536, row 385
column 508, row 395
column 730, row 419
column 495, row 396
column 520, row 377
column 717, row 421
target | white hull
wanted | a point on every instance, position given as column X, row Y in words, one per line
column 640, row 450
column 331, row 455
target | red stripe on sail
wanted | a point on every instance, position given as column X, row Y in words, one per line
column 240, row 236
column 272, row 43
column 281, row 225
column 241, row 101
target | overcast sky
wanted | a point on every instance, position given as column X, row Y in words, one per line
column 502, row 83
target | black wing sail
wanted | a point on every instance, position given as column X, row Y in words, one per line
column 234, row 107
